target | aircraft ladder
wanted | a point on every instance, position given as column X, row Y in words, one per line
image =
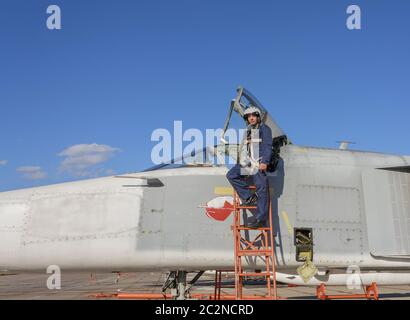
column 261, row 246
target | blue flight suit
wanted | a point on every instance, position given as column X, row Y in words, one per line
column 260, row 179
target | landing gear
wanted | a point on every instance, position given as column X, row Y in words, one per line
column 177, row 283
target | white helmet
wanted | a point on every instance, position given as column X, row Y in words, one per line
column 251, row 110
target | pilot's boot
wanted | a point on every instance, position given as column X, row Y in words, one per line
column 256, row 224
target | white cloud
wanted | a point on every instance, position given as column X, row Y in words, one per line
column 81, row 160
column 32, row 172
column 3, row 162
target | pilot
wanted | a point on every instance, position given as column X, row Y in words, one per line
column 255, row 156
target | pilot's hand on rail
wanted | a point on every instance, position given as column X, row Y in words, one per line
column 263, row 166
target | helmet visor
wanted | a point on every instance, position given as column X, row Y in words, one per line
column 255, row 114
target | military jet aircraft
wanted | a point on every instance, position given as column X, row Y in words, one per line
column 338, row 208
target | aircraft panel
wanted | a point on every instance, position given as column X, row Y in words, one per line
column 387, row 211
column 80, row 215
column 327, row 204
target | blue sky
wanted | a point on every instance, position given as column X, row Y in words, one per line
column 117, row 70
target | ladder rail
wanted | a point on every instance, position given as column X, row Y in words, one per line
column 275, row 289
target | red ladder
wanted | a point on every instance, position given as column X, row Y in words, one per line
column 262, row 246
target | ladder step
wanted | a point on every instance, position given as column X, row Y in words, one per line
column 247, row 228
column 245, row 207
column 263, row 253
column 255, row 274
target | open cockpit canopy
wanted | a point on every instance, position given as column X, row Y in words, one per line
column 228, row 153
column 243, row 100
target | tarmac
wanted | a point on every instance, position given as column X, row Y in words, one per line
column 84, row 286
